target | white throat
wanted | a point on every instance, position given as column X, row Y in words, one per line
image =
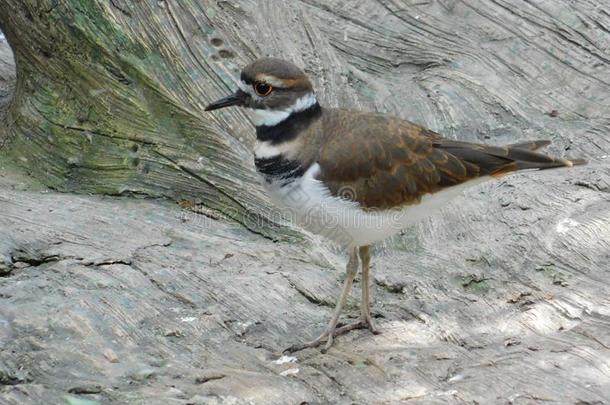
column 273, row 117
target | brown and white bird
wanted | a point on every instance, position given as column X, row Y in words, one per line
column 359, row 177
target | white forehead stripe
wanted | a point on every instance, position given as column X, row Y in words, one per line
column 272, row 80
column 273, row 117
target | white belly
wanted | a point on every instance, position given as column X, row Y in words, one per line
column 310, row 205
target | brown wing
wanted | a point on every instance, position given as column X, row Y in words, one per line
column 384, row 162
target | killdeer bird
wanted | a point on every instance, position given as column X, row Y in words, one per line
column 359, row 177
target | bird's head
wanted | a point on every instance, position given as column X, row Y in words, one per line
column 273, row 89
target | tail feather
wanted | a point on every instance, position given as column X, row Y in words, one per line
column 535, row 145
column 499, row 160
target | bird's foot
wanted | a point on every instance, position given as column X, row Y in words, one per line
column 367, row 320
column 313, row 343
column 363, row 323
column 328, row 337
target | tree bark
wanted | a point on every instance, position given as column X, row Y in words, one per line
column 110, row 99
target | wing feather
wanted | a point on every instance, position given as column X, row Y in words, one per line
column 388, row 162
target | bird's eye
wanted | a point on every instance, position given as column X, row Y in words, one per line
column 262, row 89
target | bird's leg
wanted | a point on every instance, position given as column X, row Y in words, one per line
column 330, row 332
column 350, row 273
column 366, row 320
column 365, row 305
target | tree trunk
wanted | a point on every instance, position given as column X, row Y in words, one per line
column 110, row 99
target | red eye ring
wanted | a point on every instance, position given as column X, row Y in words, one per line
column 262, row 89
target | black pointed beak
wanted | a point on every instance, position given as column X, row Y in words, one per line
column 238, row 98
